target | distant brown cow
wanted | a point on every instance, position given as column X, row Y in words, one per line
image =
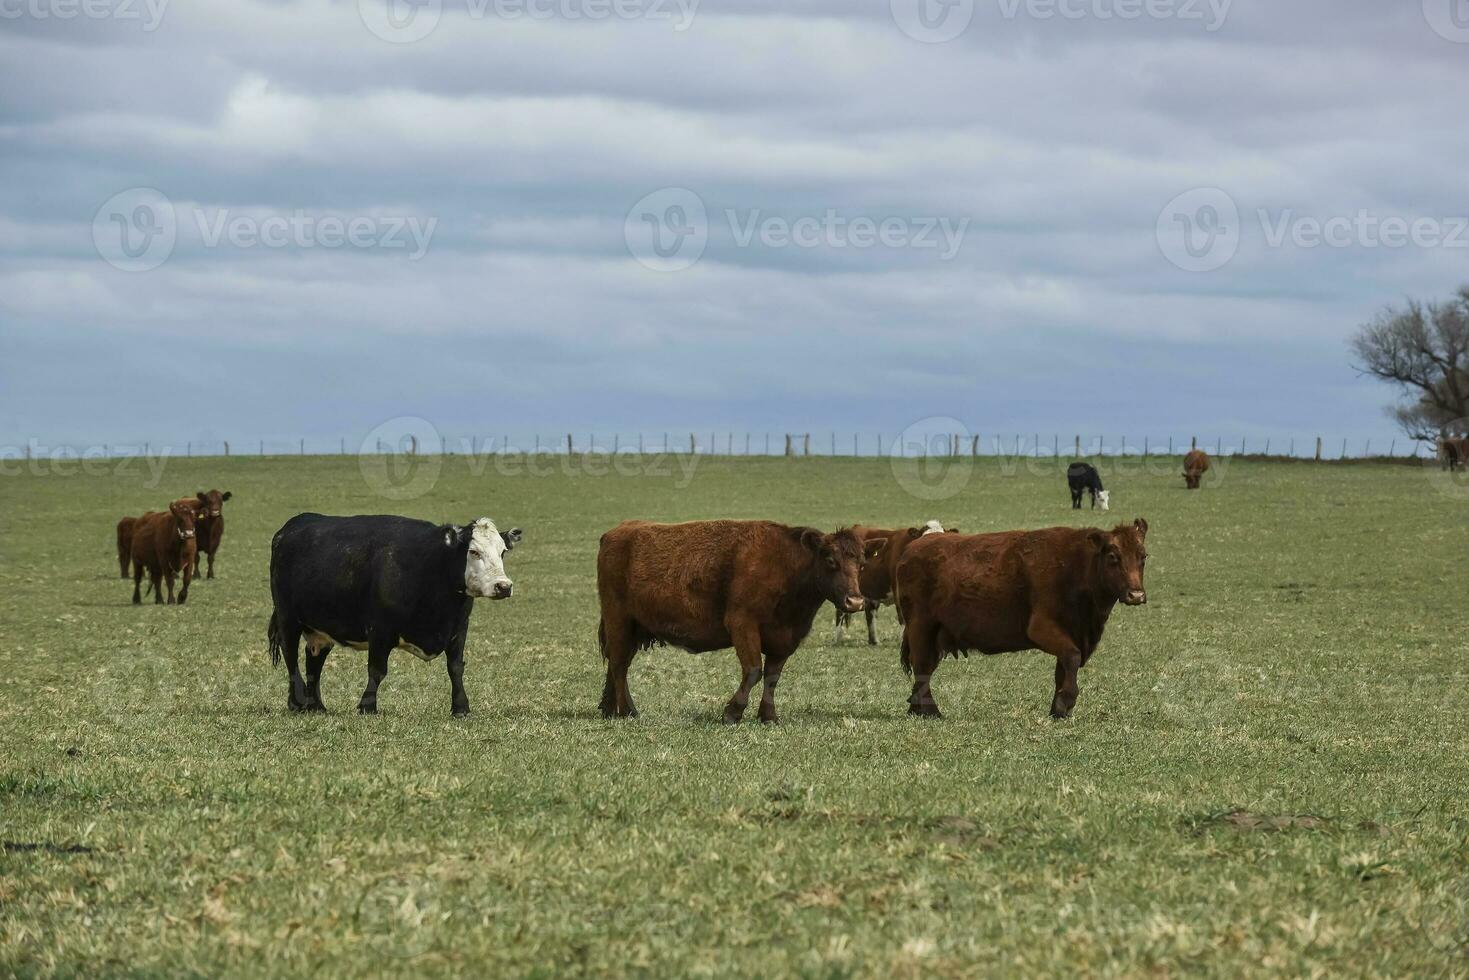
column 1195, row 465
column 876, row 580
column 1050, row 590
column 1453, row 453
column 164, row 544
column 125, row 544
column 210, row 527
column 710, row 585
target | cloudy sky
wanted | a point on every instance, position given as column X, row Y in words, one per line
column 238, row 219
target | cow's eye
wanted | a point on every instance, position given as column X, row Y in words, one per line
column 475, row 554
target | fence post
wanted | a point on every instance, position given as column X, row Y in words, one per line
column 262, row 447
column 974, row 446
column 1318, row 449
column 189, row 448
column 1367, row 451
column 1145, row 447
column 1218, row 445
column 1343, row 449
column 692, row 449
column 1267, row 447
column 790, row 449
column 226, row 447
column 1194, row 442
column 303, row 447
column 747, row 443
column 1242, row 445
column 808, row 444
column 1391, row 450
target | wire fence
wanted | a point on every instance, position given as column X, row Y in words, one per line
column 749, row 444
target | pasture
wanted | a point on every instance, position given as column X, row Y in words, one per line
column 1266, row 770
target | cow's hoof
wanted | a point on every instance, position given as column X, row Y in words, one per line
column 732, row 717
column 769, row 719
column 294, row 706
column 316, row 708
column 1059, row 715
column 461, row 712
column 137, row 602
column 924, row 711
column 367, row 709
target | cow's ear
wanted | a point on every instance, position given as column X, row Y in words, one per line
column 226, row 495
column 811, row 540
column 203, row 497
column 1142, row 527
column 952, row 530
column 511, row 538
column 453, row 535
column 915, row 533
column 1099, row 540
column 874, row 547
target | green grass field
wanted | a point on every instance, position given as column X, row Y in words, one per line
column 1267, row 770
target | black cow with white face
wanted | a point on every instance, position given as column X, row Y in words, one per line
column 380, row 584
column 1083, row 478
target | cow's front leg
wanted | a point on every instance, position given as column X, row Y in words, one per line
column 1050, row 637
column 377, row 669
column 454, row 660
column 211, row 566
column 773, row 667
column 871, row 611
column 168, row 575
column 747, row 647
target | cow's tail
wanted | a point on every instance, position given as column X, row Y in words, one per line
column 602, row 637
column 273, row 637
column 903, row 657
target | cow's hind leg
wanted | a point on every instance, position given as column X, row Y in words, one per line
column 290, row 650
column 137, row 583
column 156, row 579
column 921, row 638
column 619, row 646
column 747, row 646
column 315, row 660
column 377, row 669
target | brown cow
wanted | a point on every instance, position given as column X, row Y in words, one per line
column 125, row 544
column 1050, row 590
column 164, row 544
column 876, row 580
column 1195, row 465
column 710, row 585
column 1453, row 453
column 210, row 528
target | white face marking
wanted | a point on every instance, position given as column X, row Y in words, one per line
column 1102, row 498
column 933, row 527
column 484, row 566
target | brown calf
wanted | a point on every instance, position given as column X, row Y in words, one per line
column 876, row 579
column 1195, row 465
column 710, row 585
column 210, row 527
column 164, row 544
column 1049, row 590
column 125, row 544
column 1453, row 453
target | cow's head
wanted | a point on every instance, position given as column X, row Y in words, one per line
column 1121, row 557
column 1102, row 498
column 212, row 501
column 1191, row 479
column 931, row 527
column 185, row 512
column 839, row 559
column 483, row 547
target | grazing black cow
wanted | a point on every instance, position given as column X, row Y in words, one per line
column 1083, row 477
column 379, row 584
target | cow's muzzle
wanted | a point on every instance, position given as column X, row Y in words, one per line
column 854, row 603
column 502, row 589
column 1135, row 597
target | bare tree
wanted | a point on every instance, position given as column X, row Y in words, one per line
column 1424, row 352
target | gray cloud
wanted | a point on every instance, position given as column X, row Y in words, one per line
column 1056, row 142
